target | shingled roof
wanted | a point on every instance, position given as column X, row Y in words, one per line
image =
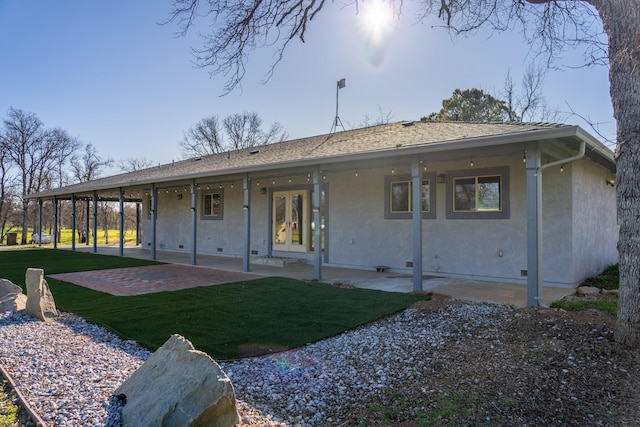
column 370, row 142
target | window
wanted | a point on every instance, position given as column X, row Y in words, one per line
column 477, row 194
column 212, row 205
column 399, row 196
column 481, row 195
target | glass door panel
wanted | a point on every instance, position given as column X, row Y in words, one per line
column 290, row 221
column 279, row 220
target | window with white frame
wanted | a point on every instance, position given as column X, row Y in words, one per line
column 212, row 205
column 399, row 203
column 483, row 194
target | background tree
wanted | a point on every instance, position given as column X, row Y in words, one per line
column 471, row 105
column 381, row 118
column 245, row 131
column 134, row 164
column 7, row 196
column 204, row 138
column 87, row 167
column 550, row 26
column 210, row 136
column 35, row 152
column 529, row 104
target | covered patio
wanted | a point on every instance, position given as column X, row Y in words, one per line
column 232, row 270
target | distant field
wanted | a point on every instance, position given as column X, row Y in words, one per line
column 65, row 237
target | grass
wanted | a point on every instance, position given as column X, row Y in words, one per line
column 8, row 410
column 226, row 321
column 443, row 410
column 607, row 306
column 608, row 279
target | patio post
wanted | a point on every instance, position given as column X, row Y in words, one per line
column 194, row 227
column 246, row 252
column 317, row 220
column 154, row 215
column 534, row 225
column 121, row 237
column 73, row 222
column 55, row 222
column 416, row 187
column 95, row 222
column 39, row 222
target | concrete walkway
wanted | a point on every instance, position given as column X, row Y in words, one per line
column 462, row 289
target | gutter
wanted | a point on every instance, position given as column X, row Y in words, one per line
column 567, row 160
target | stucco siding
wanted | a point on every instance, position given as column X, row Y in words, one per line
column 557, row 226
column 578, row 224
column 595, row 220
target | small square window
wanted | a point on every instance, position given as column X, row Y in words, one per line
column 399, row 196
column 477, row 194
column 484, row 195
column 212, row 206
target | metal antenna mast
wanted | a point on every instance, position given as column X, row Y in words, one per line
column 337, row 122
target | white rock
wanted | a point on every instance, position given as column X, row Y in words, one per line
column 178, row 386
column 40, row 303
column 11, row 297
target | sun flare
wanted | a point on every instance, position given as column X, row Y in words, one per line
column 377, row 18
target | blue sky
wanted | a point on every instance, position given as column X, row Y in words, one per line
column 110, row 75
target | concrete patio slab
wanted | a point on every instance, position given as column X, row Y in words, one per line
column 457, row 288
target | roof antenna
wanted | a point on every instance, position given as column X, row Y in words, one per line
column 337, row 122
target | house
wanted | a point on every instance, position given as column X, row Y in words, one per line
column 528, row 203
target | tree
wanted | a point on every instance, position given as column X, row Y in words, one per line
column 132, row 164
column 7, row 194
column 35, row 152
column 203, row 139
column 89, row 165
column 241, row 130
column 528, row 104
column 245, row 131
column 382, row 118
column 239, row 26
column 471, row 105
column 86, row 168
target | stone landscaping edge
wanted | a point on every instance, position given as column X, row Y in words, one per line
column 39, row 422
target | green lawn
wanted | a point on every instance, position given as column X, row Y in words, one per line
column 226, row 321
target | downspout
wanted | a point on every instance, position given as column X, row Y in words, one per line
column 539, row 241
column 568, row 160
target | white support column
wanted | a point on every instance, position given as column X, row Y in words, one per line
column 39, row 222
column 416, row 196
column 121, row 237
column 73, row 222
column 154, row 216
column 194, row 221
column 317, row 220
column 246, row 251
column 55, row 222
column 95, row 222
column 86, row 229
column 534, row 225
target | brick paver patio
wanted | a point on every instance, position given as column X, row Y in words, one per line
column 153, row 278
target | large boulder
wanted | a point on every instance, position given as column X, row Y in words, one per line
column 11, row 297
column 40, row 303
column 178, row 386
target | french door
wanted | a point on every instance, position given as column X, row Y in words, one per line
column 290, row 221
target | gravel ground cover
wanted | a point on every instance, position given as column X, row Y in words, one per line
column 437, row 363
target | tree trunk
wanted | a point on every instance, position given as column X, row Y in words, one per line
column 620, row 19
